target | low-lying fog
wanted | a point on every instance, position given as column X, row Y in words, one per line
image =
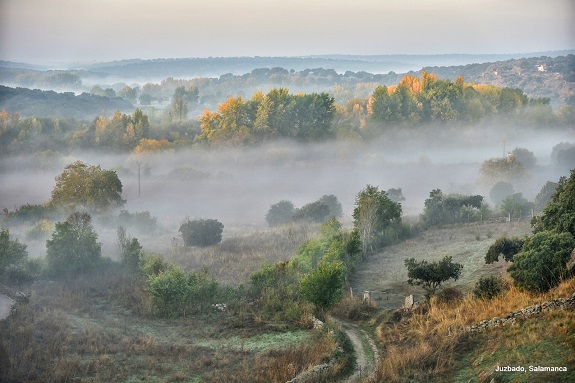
column 237, row 186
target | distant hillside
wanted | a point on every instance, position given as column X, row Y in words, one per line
column 40, row 103
column 216, row 66
column 536, row 76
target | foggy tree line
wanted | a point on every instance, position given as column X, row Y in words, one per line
column 277, row 114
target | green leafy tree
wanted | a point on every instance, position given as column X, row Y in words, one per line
column 506, row 247
column 324, row 286
column 542, row 262
column 545, row 195
column 515, row 206
column 559, row 214
column 130, row 250
column 430, row 275
column 373, row 213
column 280, row 213
column 87, row 186
column 202, row 232
column 315, row 211
column 73, row 248
column 12, row 253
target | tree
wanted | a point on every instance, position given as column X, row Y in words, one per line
column 280, row 213
column 545, row 195
column 559, row 214
column 130, row 250
column 515, row 206
column 74, row 248
column 12, row 252
column 507, row 247
column 373, row 213
column 502, row 169
column 396, row 195
column 335, row 209
column 314, row 211
column 542, row 262
column 500, row 191
column 324, row 286
column 525, row 157
column 202, row 232
column 431, row 275
column 87, row 186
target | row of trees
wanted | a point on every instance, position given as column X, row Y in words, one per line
column 416, row 100
column 278, row 114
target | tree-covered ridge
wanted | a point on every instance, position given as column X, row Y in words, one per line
column 48, row 103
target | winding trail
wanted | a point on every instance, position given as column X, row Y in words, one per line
column 366, row 353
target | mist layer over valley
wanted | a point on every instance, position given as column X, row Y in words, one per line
column 237, row 186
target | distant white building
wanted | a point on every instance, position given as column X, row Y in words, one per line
column 541, row 68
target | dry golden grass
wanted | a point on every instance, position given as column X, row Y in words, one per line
column 426, row 344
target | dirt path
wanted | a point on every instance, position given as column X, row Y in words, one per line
column 367, row 356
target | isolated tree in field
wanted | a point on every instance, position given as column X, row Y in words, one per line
column 542, row 262
column 373, row 213
column 324, row 286
column 431, row 275
column 559, row 214
column 88, row 186
column 280, row 213
column 202, row 232
column 73, row 248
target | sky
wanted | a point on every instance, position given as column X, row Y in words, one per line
column 58, row 31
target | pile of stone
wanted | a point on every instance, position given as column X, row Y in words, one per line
column 527, row 312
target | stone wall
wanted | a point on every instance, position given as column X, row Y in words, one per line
column 527, row 312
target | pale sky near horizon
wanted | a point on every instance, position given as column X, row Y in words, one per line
column 56, row 31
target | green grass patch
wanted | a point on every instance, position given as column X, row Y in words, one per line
column 547, row 341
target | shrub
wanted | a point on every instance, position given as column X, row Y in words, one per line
column 507, row 247
column 73, row 248
column 542, row 262
column 488, row 287
column 450, row 296
column 316, row 212
column 280, row 213
column 173, row 293
column 143, row 221
column 202, row 232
